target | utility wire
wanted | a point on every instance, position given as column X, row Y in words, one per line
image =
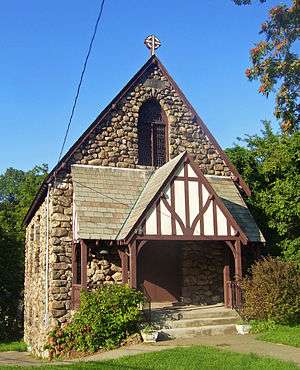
column 113, row 199
column 81, row 78
column 98, row 192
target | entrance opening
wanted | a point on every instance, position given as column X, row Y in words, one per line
column 159, row 272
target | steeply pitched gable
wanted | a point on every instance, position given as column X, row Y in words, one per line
column 187, row 130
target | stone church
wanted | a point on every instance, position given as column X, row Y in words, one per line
column 144, row 197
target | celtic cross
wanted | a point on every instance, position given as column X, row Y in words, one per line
column 152, row 43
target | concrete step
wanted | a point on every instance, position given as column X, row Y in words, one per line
column 208, row 321
column 192, row 312
column 195, row 331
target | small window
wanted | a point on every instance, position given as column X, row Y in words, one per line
column 31, row 234
column 152, row 148
column 37, row 229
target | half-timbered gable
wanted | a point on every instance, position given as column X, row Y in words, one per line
column 184, row 206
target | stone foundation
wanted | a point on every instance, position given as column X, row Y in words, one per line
column 202, row 273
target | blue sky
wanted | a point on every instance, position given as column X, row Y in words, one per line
column 205, row 47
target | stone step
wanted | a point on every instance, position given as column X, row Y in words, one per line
column 189, row 323
column 191, row 313
column 195, row 331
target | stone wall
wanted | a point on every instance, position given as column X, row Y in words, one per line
column 61, row 249
column 202, row 272
column 35, row 325
column 103, row 270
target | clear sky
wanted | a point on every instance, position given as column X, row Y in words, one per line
column 205, row 47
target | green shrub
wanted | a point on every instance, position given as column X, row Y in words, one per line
column 272, row 292
column 105, row 317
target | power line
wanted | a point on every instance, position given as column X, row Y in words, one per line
column 115, row 200
column 103, row 195
column 81, row 78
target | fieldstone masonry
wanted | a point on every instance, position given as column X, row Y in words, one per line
column 113, row 142
column 103, row 270
column 202, row 273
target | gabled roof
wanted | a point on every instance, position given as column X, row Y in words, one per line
column 110, row 203
column 153, row 61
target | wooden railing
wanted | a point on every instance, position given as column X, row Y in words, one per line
column 233, row 292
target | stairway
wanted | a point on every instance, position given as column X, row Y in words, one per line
column 189, row 321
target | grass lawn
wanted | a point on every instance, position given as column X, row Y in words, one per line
column 190, row 358
column 284, row 334
column 13, row 346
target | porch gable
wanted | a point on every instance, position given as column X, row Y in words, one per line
column 185, row 207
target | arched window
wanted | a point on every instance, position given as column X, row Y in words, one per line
column 151, row 135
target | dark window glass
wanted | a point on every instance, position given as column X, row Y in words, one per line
column 151, row 135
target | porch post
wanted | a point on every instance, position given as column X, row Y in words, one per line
column 238, row 271
column 83, row 264
column 124, row 265
column 226, row 277
column 133, row 264
column 74, row 264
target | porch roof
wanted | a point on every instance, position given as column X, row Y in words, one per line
column 233, row 201
column 109, row 201
column 103, row 198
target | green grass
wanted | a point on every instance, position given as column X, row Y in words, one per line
column 13, row 346
column 283, row 334
column 190, row 358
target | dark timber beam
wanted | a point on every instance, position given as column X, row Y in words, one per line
column 83, row 264
column 238, row 271
column 124, row 265
column 226, row 278
column 133, row 264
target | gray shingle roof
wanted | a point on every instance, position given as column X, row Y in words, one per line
column 109, row 201
column 233, row 201
column 103, row 198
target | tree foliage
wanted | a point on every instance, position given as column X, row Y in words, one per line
column 17, row 189
column 276, row 64
column 270, row 164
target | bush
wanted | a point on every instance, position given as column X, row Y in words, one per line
column 105, row 318
column 272, row 292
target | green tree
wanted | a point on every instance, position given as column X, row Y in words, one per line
column 276, row 64
column 270, row 164
column 17, row 189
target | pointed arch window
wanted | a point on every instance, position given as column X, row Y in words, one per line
column 152, row 143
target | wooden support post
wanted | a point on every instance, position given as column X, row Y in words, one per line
column 83, row 264
column 74, row 264
column 238, row 272
column 133, row 264
column 124, row 265
column 226, row 277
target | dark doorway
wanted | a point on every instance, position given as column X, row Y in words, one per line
column 159, row 272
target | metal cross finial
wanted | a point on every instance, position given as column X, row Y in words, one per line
column 152, row 43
